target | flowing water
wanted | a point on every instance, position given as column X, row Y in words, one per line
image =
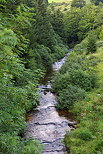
column 45, row 123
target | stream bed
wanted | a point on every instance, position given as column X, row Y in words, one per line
column 45, row 123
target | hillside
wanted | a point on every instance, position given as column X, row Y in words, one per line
column 64, row 5
column 89, row 111
column 79, row 84
column 61, row 4
column 59, row 1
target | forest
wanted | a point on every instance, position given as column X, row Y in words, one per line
column 33, row 35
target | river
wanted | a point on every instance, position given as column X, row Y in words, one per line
column 45, row 123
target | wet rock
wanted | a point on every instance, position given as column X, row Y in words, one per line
column 72, row 123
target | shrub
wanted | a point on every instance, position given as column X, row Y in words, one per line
column 67, row 97
column 75, row 77
column 69, row 66
column 82, row 79
column 78, row 3
column 10, row 144
column 59, row 51
column 99, row 44
column 83, row 133
column 82, row 47
column 61, row 82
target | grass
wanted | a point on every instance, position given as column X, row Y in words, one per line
column 59, row 1
column 66, row 1
column 62, row 5
column 88, row 137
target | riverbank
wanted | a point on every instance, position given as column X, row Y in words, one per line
column 87, row 138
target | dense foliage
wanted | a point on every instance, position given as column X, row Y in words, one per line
column 88, row 136
column 78, row 3
column 31, row 39
column 75, row 78
column 17, row 95
column 79, row 84
column 28, row 47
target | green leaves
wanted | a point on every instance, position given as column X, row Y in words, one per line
column 18, row 94
column 68, row 96
column 91, row 45
column 8, row 37
column 78, row 3
column 10, row 144
column 78, row 22
column 73, row 81
column 28, row 43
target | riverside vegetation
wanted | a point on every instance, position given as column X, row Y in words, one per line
column 79, row 84
column 28, row 47
column 32, row 37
